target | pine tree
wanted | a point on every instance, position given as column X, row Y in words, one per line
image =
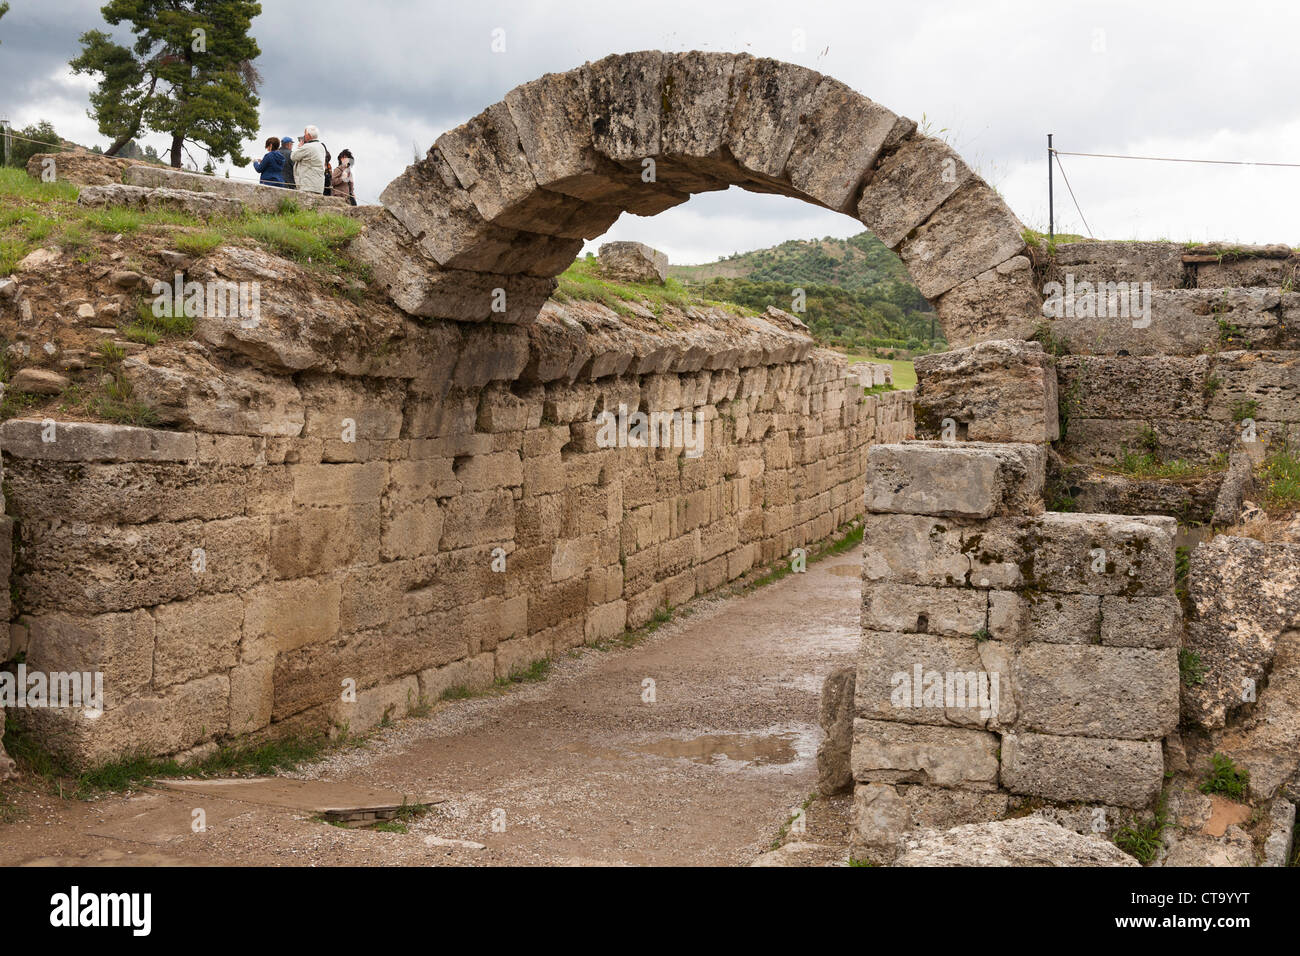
column 189, row 74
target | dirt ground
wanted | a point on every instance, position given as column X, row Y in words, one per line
column 579, row 769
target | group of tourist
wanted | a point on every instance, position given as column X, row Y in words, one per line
column 307, row 166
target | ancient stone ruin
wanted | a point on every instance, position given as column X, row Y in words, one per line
column 437, row 487
column 633, row 262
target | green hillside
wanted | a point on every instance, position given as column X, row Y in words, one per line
column 857, row 293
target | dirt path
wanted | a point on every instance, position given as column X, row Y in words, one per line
column 584, row 770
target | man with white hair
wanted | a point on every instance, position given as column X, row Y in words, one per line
column 309, row 162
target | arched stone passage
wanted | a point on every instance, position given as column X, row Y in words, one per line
column 506, row 200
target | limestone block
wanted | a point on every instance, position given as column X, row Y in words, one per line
column 908, row 186
column 1125, row 773
column 633, row 262
column 1245, row 594
column 471, row 674
column 196, row 637
column 252, row 195
column 1160, row 263
column 1141, row 622
column 963, row 479
column 1135, row 387
column 889, row 752
column 943, row 611
column 96, row 568
column 154, row 722
column 941, row 552
column 1027, row 841
column 338, row 484
column 285, row 615
column 89, row 441
column 926, row 679
column 1101, row 554
column 972, row 232
column 997, row 391
column 999, row 303
column 770, row 96
column 376, row 706
column 835, row 714
column 1267, row 384
column 119, row 646
column 1082, row 690
column 311, row 540
column 839, row 137
column 1063, row 618
column 252, row 693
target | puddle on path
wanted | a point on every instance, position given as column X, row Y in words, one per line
column 755, row 749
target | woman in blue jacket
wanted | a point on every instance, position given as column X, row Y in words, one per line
column 271, row 166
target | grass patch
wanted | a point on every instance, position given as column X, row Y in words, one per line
column 1142, row 841
column 1191, row 671
column 16, row 184
column 1148, row 464
column 1280, row 477
column 583, row 281
column 538, row 670
column 135, row 770
column 1226, row 778
column 150, row 328
column 785, row 827
column 121, row 219
column 306, row 235
column 1243, row 409
column 200, row 243
column 1182, row 568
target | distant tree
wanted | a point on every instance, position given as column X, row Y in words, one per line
column 4, row 8
column 30, row 140
column 189, row 74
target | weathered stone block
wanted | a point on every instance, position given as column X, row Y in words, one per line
column 1062, row 618
column 196, row 637
column 943, row 552
column 1100, row 554
column 943, row 611
column 311, row 540
column 839, row 137
column 120, row 646
column 1125, row 773
column 969, row 480
column 88, row 441
column 1245, row 594
column 999, row 391
column 972, row 232
column 1141, row 621
column 888, row 752
column 910, row 185
column 1095, row 691
column 1000, row 303
column 285, row 615
column 835, row 714
column 926, row 679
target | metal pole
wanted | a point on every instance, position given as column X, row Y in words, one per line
column 1051, row 216
column 4, row 126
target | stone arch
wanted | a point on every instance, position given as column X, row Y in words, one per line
column 506, row 200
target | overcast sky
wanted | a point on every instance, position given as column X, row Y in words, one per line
column 1191, row 78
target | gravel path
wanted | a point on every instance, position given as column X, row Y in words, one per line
column 578, row 769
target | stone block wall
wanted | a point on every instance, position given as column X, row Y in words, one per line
column 410, row 538
column 1218, row 344
column 1006, row 650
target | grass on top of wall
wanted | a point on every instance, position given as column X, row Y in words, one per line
column 583, row 282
